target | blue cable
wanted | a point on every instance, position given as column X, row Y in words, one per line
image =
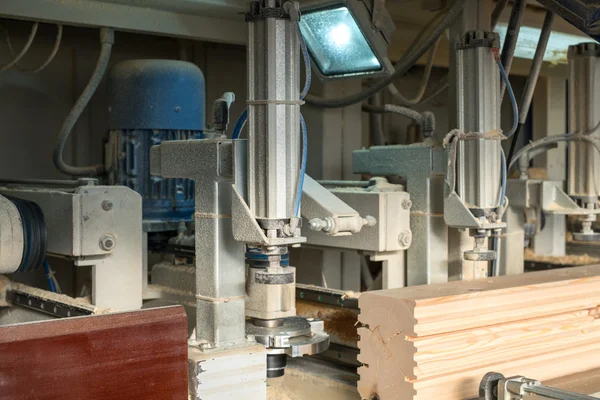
column 303, row 164
column 503, row 176
column 239, row 125
column 306, row 59
column 511, row 95
column 307, row 82
column 49, row 276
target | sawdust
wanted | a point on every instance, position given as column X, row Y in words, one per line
column 532, row 173
column 349, row 294
column 82, row 302
column 572, row 259
column 340, row 322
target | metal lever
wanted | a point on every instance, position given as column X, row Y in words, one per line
column 494, row 386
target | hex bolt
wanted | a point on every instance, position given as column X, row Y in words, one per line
column 406, row 204
column 405, row 238
column 108, row 242
column 107, row 205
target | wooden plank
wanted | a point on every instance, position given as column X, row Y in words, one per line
column 437, row 341
column 130, row 355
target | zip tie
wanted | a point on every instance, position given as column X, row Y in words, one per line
column 459, row 135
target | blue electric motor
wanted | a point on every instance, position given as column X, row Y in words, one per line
column 151, row 101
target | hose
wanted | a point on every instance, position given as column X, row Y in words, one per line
column 442, row 84
column 401, row 68
column 511, row 95
column 57, row 41
column 429, row 66
column 424, row 82
column 565, row 137
column 510, row 40
column 426, row 119
column 498, row 9
column 55, row 48
column 24, row 50
column 532, row 79
column 376, row 122
column 107, row 39
column 239, row 124
column 302, row 165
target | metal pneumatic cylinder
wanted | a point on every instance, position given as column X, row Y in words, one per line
column 584, row 118
column 478, row 159
column 475, row 146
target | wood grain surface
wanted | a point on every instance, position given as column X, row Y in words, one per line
column 437, row 341
column 130, row 355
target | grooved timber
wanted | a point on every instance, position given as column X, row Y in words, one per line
column 437, row 341
column 130, row 355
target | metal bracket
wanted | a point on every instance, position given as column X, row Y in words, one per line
column 328, row 213
column 457, row 215
column 247, row 230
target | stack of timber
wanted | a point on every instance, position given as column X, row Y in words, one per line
column 437, row 341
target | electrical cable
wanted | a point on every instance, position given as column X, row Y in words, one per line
column 425, row 119
column 376, row 122
column 55, row 48
column 443, row 83
column 498, row 9
column 107, row 39
column 239, row 124
column 25, row 48
column 429, row 65
column 302, row 165
column 401, row 68
column 438, row 88
column 57, row 41
column 532, row 79
column 503, row 176
column 424, row 82
column 306, row 58
column 510, row 40
column 565, row 137
column 307, row 82
column 511, row 95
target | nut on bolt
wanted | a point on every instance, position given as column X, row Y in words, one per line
column 108, row 242
column 107, row 205
column 405, row 238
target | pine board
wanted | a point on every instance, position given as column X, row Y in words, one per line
column 437, row 341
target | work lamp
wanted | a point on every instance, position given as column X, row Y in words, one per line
column 347, row 38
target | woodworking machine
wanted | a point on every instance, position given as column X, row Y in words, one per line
column 179, row 213
column 248, row 212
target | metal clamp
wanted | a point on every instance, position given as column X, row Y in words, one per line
column 494, row 386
